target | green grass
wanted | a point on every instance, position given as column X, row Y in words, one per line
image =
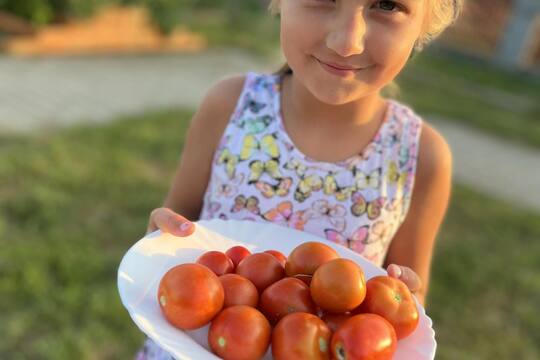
column 255, row 31
column 72, row 203
column 502, row 103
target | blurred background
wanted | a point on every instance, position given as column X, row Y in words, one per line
column 95, row 97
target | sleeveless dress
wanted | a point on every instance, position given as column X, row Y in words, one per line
column 258, row 174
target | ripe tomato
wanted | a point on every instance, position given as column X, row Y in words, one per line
column 239, row 332
column 190, row 295
column 216, row 261
column 238, row 291
column 334, row 321
column 301, row 336
column 307, row 257
column 338, row 286
column 305, row 278
column 282, row 258
column 364, row 337
column 237, row 254
column 286, row 296
column 261, row 269
column 391, row 298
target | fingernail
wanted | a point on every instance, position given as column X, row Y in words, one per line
column 398, row 272
column 185, row 226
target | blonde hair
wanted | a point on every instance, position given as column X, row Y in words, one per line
column 439, row 15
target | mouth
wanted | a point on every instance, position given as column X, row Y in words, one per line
column 339, row 69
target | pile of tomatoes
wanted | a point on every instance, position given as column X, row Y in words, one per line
column 309, row 305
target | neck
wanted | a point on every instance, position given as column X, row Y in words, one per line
column 303, row 106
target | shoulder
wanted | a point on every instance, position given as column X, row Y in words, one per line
column 434, row 156
column 225, row 92
column 216, row 108
column 222, row 96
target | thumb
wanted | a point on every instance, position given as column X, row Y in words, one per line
column 170, row 222
column 407, row 275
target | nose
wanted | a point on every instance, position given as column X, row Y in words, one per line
column 347, row 34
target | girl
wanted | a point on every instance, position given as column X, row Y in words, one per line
column 317, row 147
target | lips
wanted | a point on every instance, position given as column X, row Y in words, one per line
column 340, row 66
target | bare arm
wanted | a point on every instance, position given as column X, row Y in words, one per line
column 187, row 189
column 414, row 241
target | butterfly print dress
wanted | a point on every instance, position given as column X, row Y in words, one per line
column 258, row 174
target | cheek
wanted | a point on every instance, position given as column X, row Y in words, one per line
column 298, row 38
column 390, row 52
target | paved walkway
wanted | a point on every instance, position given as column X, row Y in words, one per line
column 45, row 93
column 51, row 92
column 489, row 165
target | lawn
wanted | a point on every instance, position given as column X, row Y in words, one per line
column 72, row 202
column 505, row 104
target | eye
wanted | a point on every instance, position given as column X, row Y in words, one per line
column 388, row 5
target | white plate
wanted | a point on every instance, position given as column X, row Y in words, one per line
column 150, row 258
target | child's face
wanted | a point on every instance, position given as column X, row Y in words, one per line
column 374, row 37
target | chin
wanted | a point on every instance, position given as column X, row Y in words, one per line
column 340, row 94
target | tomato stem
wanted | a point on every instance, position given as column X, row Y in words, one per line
column 323, row 345
column 340, row 352
column 221, row 341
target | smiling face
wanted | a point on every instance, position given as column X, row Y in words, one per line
column 344, row 50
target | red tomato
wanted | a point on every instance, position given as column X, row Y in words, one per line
column 334, row 321
column 240, row 333
column 364, row 337
column 238, row 291
column 307, row 257
column 261, row 269
column 190, row 295
column 282, row 258
column 286, row 296
column 237, row 254
column 216, row 261
column 338, row 286
column 305, row 278
column 392, row 299
column 301, row 336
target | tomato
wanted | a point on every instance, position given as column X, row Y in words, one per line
column 239, row 332
column 305, row 278
column 284, row 297
column 338, row 286
column 334, row 321
column 282, row 258
column 364, row 337
column 392, row 299
column 301, row 336
column 190, row 295
column 307, row 257
column 238, row 291
column 216, row 261
column 261, row 269
column 237, row 254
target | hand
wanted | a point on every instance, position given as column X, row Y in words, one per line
column 170, row 222
column 407, row 275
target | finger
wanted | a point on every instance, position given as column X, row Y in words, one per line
column 394, row 271
column 168, row 221
column 407, row 275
